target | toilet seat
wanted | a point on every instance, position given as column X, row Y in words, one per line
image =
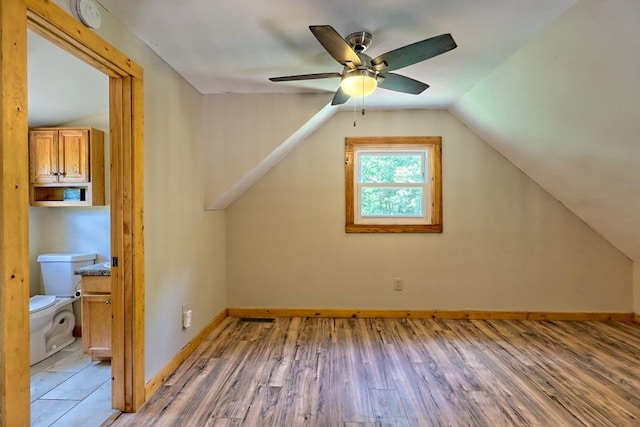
column 41, row 302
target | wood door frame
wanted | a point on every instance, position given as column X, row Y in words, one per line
column 127, row 240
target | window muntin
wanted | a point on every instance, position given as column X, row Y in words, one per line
column 393, row 184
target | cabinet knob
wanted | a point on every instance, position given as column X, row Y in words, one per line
column 54, row 174
column 108, row 302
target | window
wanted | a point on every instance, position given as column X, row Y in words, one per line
column 393, row 184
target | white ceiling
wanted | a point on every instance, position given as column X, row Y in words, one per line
column 234, row 47
column 224, row 47
column 61, row 87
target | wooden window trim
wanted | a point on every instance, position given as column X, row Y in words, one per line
column 435, row 159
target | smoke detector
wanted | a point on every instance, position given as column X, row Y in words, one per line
column 87, row 12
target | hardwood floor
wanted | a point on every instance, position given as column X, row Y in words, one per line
column 404, row 372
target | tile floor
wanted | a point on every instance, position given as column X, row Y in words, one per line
column 70, row 390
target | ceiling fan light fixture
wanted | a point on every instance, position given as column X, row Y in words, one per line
column 361, row 75
column 359, row 83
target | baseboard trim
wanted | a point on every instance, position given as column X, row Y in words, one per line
column 431, row 314
column 154, row 384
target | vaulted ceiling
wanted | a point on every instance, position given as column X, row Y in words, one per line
column 551, row 84
column 565, row 109
column 233, row 47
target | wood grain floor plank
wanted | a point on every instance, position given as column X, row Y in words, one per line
column 328, row 407
column 223, row 422
column 348, row 373
column 256, row 363
column 546, row 376
column 264, row 410
column 415, row 372
column 525, row 376
column 285, row 351
column 369, row 351
column 518, row 400
column 297, row 403
column 453, row 367
column 207, row 389
column 387, row 408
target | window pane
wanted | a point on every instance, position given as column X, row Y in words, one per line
column 396, row 201
column 389, row 168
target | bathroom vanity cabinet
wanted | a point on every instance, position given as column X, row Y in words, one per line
column 66, row 166
column 96, row 316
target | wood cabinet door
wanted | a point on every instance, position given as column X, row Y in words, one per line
column 73, row 155
column 43, row 156
column 96, row 325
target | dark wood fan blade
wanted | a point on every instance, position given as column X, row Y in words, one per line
column 304, row 77
column 414, row 53
column 400, row 83
column 335, row 45
column 340, row 97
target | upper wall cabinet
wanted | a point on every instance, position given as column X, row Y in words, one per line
column 66, row 167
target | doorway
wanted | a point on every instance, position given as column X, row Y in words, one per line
column 127, row 242
column 69, row 387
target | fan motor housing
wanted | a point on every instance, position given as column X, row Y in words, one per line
column 359, row 41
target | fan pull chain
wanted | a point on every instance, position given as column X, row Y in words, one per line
column 354, row 113
column 363, row 97
column 355, row 106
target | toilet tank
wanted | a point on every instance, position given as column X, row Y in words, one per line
column 57, row 271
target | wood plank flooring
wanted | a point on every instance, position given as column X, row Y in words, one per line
column 404, row 372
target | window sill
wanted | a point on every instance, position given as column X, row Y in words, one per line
column 418, row 228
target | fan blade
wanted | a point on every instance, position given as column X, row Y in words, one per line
column 336, row 45
column 414, row 53
column 400, row 83
column 340, row 97
column 304, row 77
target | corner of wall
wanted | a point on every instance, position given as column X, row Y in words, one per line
column 251, row 134
column 636, row 289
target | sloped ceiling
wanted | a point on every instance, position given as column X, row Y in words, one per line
column 234, row 47
column 565, row 109
column 551, row 84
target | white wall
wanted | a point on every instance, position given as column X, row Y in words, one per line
column 241, row 130
column 636, row 287
column 506, row 245
column 35, row 248
column 184, row 245
column 70, row 229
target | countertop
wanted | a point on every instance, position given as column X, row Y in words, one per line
column 101, row 269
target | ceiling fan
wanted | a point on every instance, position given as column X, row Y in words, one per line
column 361, row 74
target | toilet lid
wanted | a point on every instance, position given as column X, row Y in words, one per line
column 40, row 302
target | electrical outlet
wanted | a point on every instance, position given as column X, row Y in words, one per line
column 186, row 315
column 397, row 283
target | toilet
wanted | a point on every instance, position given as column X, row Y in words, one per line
column 51, row 315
